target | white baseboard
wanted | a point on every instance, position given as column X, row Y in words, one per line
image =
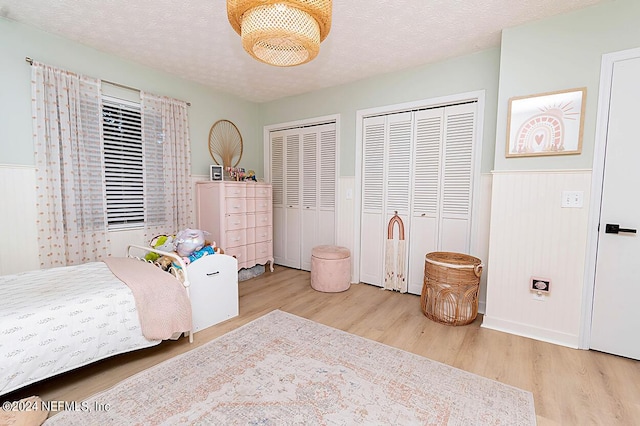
column 525, row 330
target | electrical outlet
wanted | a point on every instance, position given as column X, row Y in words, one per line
column 540, row 288
column 572, row 199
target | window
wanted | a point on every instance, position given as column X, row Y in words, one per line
column 123, row 162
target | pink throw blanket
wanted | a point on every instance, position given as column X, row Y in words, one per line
column 162, row 302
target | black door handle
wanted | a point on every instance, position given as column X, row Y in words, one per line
column 612, row 228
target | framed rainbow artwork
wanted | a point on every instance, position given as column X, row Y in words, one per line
column 546, row 124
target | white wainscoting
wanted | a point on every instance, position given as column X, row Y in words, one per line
column 18, row 232
column 532, row 235
column 346, row 216
column 481, row 222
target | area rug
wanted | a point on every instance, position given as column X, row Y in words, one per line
column 281, row 369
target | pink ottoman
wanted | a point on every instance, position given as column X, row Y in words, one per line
column 330, row 268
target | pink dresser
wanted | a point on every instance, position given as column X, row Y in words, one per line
column 239, row 218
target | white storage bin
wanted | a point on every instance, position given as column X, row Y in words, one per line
column 213, row 290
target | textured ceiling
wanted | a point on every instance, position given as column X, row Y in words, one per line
column 193, row 39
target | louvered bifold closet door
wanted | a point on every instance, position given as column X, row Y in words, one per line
column 303, row 176
column 309, row 212
column 398, row 190
column 327, row 184
column 398, row 158
column 285, row 180
column 428, row 130
column 277, row 184
column 292, row 189
column 373, row 183
column 318, row 175
column 457, row 178
column 419, row 164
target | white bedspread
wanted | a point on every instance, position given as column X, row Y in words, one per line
column 55, row 320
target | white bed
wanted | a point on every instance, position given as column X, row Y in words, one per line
column 59, row 319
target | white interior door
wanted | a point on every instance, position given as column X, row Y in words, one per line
column 615, row 326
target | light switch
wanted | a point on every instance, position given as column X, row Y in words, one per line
column 572, row 199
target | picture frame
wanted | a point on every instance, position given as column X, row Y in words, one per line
column 215, row 172
column 540, row 285
column 546, row 124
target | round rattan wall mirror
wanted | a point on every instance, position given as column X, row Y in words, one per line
column 225, row 143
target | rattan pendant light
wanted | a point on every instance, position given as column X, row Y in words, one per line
column 281, row 32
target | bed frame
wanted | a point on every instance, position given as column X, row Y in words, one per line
column 23, row 372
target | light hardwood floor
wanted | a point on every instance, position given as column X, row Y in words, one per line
column 569, row 386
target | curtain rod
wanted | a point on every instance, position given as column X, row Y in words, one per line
column 30, row 61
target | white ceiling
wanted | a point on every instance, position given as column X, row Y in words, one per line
column 193, row 39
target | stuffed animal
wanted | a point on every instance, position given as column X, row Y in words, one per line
column 217, row 249
column 188, row 241
column 204, row 251
column 209, row 248
column 164, row 263
column 161, row 242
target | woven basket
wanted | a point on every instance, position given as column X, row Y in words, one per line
column 450, row 290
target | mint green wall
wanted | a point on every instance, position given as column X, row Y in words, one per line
column 557, row 53
column 207, row 106
column 562, row 52
column 463, row 74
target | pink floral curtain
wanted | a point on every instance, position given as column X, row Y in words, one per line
column 167, row 157
column 70, row 189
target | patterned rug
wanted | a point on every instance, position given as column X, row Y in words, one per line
column 282, row 369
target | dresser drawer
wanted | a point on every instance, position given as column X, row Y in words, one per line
column 263, row 219
column 240, row 253
column 263, row 234
column 263, row 204
column 263, row 192
column 234, row 222
column 235, row 205
column 235, row 190
column 264, row 251
column 235, row 238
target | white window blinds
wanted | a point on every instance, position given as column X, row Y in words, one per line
column 123, row 162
